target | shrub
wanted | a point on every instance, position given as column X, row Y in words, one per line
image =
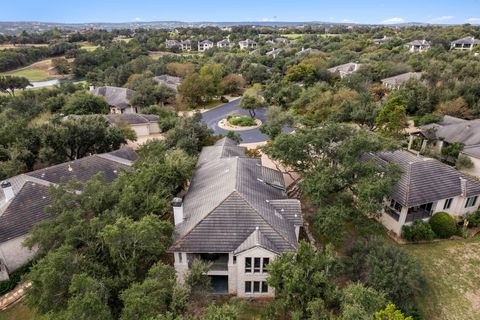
column 443, row 225
column 419, row 230
column 463, row 162
column 15, row 278
column 242, row 121
column 473, row 219
column 223, row 99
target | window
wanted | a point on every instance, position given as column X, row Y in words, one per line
column 248, row 287
column 248, row 265
column 447, row 204
column 265, row 264
column 180, row 257
column 256, row 265
column 234, row 259
column 471, row 201
column 264, row 287
column 256, row 286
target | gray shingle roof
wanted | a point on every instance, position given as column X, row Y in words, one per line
column 345, row 68
column 466, row 40
column 426, row 180
column 169, row 81
column 419, row 43
column 402, row 78
column 473, row 151
column 132, row 118
column 31, row 195
column 229, row 197
column 464, row 131
column 114, row 96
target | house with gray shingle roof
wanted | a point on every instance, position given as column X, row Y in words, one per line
column 247, row 44
column 395, row 82
column 452, row 130
column 205, row 45
column 24, row 198
column 169, row 81
column 225, row 43
column 344, row 70
column 236, row 215
column 418, row 45
column 426, row 186
column 117, row 98
column 467, row 43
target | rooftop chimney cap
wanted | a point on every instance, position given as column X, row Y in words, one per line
column 177, row 202
column 5, row 184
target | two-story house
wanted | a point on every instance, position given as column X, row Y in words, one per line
column 205, row 45
column 225, row 43
column 467, row 43
column 418, row 45
column 235, row 215
column 247, row 44
column 426, row 186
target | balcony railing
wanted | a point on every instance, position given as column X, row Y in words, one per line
column 392, row 213
column 418, row 215
column 219, row 262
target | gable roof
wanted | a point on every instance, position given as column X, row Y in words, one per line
column 455, row 130
column 402, row 78
column 466, row 40
column 425, row 180
column 114, row 96
column 228, row 198
column 31, row 196
column 419, row 43
column 256, row 239
column 132, row 118
column 168, row 80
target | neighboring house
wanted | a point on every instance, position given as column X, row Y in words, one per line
column 23, row 199
column 205, row 45
column 418, row 45
column 270, row 42
column 274, row 53
column 237, row 216
column 225, row 43
column 172, row 43
column 282, row 40
column 117, row 98
column 143, row 125
column 345, row 69
column 467, row 43
column 381, row 40
column 169, row 81
column 247, row 44
column 306, row 51
column 396, row 82
column 426, row 186
column 448, row 131
column 186, row 45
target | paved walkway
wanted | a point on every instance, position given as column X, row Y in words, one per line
column 14, row 296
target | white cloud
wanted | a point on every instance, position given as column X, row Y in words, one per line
column 267, row 19
column 138, row 19
column 347, row 20
column 443, row 18
column 474, row 20
column 394, row 20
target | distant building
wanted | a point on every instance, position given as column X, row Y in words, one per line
column 344, row 70
column 172, row 43
column 274, row 53
column 282, row 40
column 236, row 215
column 143, row 125
column 24, row 198
column 247, row 44
column 418, row 45
column 117, row 98
column 381, row 40
column 205, row 45
column 306, row 51
column 398, row 81
column 186, row 45
column 467, row 43
column 169, row 81
column 225, row 43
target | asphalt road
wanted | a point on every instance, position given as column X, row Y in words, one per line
column 213, row 116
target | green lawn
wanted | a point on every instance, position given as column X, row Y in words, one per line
column 18, row 312
column 31, row 74
column 452, row 270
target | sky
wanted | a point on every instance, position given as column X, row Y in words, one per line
column 351, row 11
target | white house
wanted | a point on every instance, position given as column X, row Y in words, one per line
column 172, row 43
column 237, row 216
column 273, row 53
column 467, row 43
column 205, row 45
column 186, row 45
column 381, row 40
column 426, row 186
column 344, row 70
column 143, row 125
column 418, row 45
column 23, row 199
column 247, row 44
column 225, row 43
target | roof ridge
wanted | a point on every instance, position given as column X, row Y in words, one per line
column 409, row 171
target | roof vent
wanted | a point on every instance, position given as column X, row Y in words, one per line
column 6, row 186
column 70, row 169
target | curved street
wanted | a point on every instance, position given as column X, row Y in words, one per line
column 213, row 116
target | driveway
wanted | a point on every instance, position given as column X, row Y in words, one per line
column 213, row 116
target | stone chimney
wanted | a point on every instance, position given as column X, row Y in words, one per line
column 177, row 204
column 91, row 88
column 7, row 189
column 463, row 186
